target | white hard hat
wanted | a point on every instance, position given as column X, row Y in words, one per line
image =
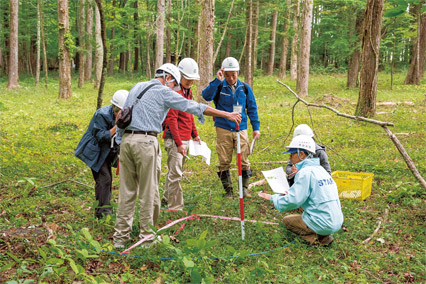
column 303, row 129
column 301, row 142
column 119, row 98
column 230, row 64
column 189, row 69
column 170, row 69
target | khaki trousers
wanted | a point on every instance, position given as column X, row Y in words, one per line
column 296, row 224
column 173, row 190
column 226, row 143
column 140, row 168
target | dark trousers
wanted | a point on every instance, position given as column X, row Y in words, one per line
column 103, row 187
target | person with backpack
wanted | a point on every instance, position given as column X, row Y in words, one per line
column 230, row 94
column 179, row 127
column 140, row 152
column 291, row 170
column 98, row 150
column 315, row 191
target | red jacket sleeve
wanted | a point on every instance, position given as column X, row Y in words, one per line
column 172, row 123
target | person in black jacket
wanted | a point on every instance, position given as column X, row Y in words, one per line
column 98, row 150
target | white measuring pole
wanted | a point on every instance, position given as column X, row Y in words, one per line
column 240, row 182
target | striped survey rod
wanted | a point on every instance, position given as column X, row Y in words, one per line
column 240, row 181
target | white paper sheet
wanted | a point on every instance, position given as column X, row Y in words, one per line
column 195, row 149
column 277, row 180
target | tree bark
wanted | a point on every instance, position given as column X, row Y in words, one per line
column 38, row 65
column 82, row 57
column 271, row 59
column 112, row 56
column 366, row 105
column 136, row 36
column 13, row 46
column 89, row 34
column 65, row 91
column 99, row 48
column 305, row 48
column 284, row 46
column 354, row 63
column 248, row 75
column 295, row 40
column 417, row 64
column 168, row 32
column 206, row 45
column 256, row 13
column 100, row 10
column 160, row 34
column 43, row 42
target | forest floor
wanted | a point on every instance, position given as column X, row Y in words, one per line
column 49, row 233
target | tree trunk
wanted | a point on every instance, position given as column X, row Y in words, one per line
column 224, row 31
column 160, row 34
column 228, row 46
column 112, row 56
column 89, row 35
column 305, row 48
column 284, row 47
column 417, row 64
column 354, row 63
column 100, row 10
column 37, row 79
column 248, row 75
column 65, row 91
column 99, row 48
column 256, row 13
column 295, row 40
column 13, row 46
column 82, row 57
column 206, row 45
column 370, row 59
column 271, row 59
column 136, row 36
column 43, row 42
column 168, row 32
column 148, row 57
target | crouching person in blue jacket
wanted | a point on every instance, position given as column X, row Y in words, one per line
column 315, row 191
column 98, row 150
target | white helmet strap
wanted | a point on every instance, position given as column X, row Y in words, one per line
column 309, row 156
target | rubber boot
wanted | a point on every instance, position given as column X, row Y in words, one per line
column 246, row 174
column 226, row 179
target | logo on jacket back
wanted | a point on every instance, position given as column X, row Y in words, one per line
column 328, row 181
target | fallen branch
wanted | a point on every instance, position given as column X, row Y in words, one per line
column 394, row 139
column 56, row 183
column 257, row 183
column 377, row 228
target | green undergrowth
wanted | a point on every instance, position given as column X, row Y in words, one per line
column 49, row 233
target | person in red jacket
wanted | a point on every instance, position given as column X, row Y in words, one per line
column 179, row 128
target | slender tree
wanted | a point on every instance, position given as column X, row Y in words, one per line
column 89, row 36
column 99, row 49
column 271, row 59
column 82, row 41
column 206, row 45
column 248, row 75
column 160, row 34
column 169, row 32
column 64, row 42
column 37, row 79
column 295, row 40
column 305, row 48
column 355, row 37
column 366, row 105
column 13, row 46
column 284, row 44
column 136, row 35
column 417, row 63
column 43, row 43
column 112, row 56
column 100, row 10
column 255, row 29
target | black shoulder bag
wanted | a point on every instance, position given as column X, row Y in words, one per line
column 124, row 116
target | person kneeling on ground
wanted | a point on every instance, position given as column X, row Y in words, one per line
column 320, row 152
column 98, row 150
column 315, row 191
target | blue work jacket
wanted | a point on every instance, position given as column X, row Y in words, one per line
column 227, row 101
column 316, row 192
column 95, row 145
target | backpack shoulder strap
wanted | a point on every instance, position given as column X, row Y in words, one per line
column 217, row 96
column 142, row 93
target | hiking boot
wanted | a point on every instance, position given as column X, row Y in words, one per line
column 226, row 179
column 246, row 174
column 325, row 240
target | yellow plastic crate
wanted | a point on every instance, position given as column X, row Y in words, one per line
column 353, row 185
